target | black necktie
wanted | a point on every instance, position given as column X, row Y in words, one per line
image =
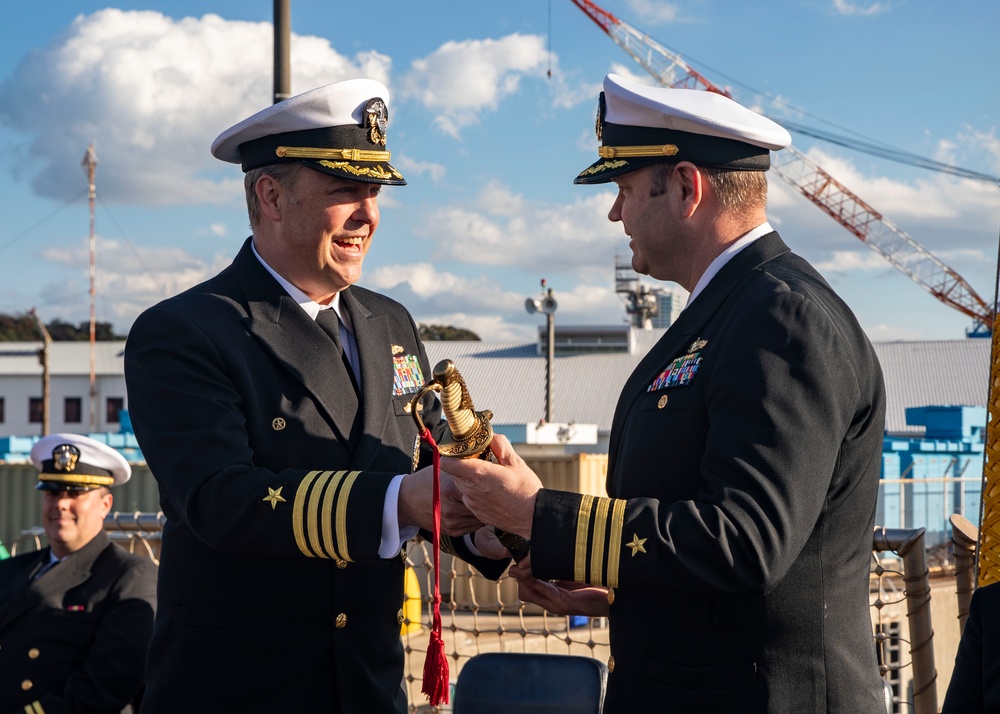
column 329, row 320
column 45, row 568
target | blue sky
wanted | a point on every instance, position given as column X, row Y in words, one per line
column 488, row 141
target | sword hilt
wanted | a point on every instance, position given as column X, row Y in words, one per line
column 470, row 432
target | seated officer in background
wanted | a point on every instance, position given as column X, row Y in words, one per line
column 75, row 617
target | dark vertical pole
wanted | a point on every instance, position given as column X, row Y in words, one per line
column 282, row 40
column 551, row 329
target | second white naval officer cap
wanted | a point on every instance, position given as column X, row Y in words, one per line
column 638, row 125
column 72, row 462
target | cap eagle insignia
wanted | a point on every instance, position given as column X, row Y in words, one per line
column 378, row 120
column 65, row 456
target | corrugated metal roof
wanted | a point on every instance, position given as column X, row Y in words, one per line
column 932, row 373
column 509, row 379
column 65, row 358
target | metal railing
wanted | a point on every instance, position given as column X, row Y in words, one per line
column 908, row 544
column 928, row 503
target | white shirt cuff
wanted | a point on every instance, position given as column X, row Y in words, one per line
column 393, row 536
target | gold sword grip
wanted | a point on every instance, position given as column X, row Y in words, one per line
column 470, row 432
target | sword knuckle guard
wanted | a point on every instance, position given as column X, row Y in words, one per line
column 471, row 431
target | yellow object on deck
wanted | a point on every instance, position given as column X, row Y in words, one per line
column 412, row 604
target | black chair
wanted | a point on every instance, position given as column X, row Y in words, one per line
column 503, row 682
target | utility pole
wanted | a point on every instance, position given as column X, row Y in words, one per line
column 90, row 166
column 43, row 358
column 282, row 40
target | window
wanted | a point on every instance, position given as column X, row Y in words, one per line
column 2, row 414
column 34, row 410
column 73, row 410
column 114, row 407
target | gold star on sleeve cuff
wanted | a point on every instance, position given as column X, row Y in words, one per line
column 637, row 544
column 273, row 496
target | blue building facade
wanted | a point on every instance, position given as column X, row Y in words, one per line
column 925, row 480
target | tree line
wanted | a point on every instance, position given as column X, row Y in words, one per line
column 23, row 328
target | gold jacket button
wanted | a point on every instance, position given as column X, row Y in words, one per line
column 33, row 653
column 662, row 403
column 611, row 663
column 341, row 621
column 400, row 617
column 611, row 596
column 341, row 563
column 26, row 685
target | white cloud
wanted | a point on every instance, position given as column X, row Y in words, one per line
column 152, row 92
column 849, row 261
column 434, row 296
column 408, row 166
column 136, row 278
column 218, row 229
column 846, row 7
column 427, row 282
column 971, row 145
column 627, row 71
column 655, row 12
column 501, row 227
column 459, row 80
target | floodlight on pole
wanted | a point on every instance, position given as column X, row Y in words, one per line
column 546, row 305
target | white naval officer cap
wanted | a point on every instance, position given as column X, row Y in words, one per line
column 338, row 129
column 71, row 462
column 638, row 125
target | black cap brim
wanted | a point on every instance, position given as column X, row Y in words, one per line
column 57, row 486
column 670, row 146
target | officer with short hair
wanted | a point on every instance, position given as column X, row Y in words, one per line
column 75, row 617
column 732, row 556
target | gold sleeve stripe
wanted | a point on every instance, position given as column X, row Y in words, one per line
column 597, row 546
column 615, row 545
column 329, row 543
column 582, row 531
column 34, row 708
column 298, row 509
column 312, row 513
column 345, row 494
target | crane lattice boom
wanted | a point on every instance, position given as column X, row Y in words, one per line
column 881, row 235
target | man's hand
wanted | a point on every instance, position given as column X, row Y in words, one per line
column 487, row 543
column 416, row 504
column 501, row 495
column 561, row 597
